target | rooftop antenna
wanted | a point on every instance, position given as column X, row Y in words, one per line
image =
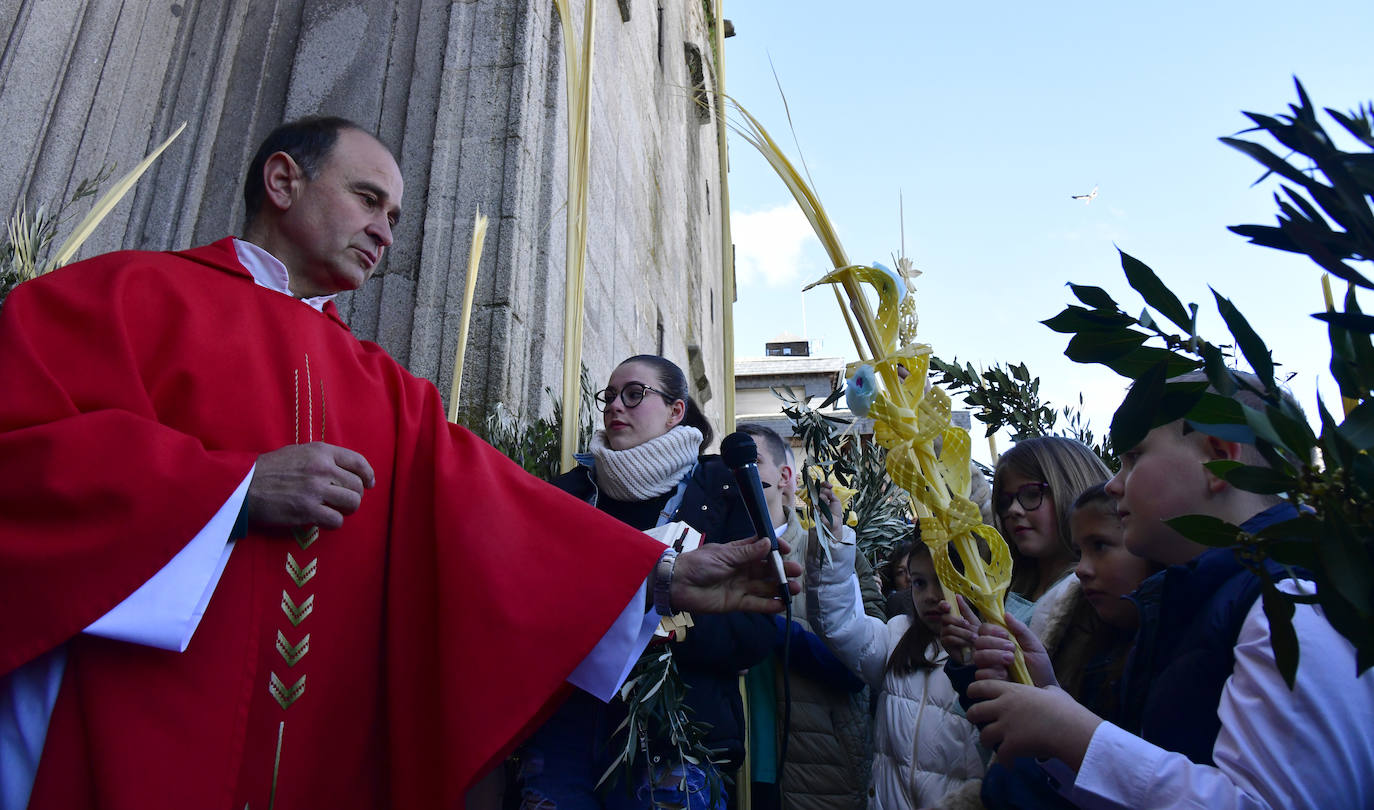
column 901, row 220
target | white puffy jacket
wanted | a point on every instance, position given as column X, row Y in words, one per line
column 924, row 748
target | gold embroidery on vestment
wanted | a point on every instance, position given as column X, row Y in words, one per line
column 307, row 536
column 300, row 575
column 297, row 613
column 284, row 695
column 292, row 652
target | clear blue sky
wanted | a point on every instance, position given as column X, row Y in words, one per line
column 986, row 118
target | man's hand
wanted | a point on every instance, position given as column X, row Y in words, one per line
column 721, row 577
column 1030, row 721
column 993, row 653
column 314, row 484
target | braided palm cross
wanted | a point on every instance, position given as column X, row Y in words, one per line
column 908, row 419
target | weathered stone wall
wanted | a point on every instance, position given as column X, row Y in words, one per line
column 469, row 94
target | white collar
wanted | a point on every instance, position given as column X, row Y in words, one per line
column 268, row 271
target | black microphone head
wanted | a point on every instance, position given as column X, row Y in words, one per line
column 738, row 449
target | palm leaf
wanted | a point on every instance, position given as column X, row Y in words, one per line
column 104, row 205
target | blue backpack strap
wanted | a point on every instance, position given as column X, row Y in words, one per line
column 674, row 503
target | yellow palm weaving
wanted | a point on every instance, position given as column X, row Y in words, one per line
column 907, row 422
column 907, row 418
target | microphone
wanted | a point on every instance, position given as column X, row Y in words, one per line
column 741, row 455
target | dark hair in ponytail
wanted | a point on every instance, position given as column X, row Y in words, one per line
column 910, row 653
column 673, row 384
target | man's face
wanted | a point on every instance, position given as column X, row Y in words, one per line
column 778, row 477
column 339, row 222
column 1161, row 478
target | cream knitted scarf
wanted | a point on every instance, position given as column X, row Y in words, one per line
column 652, row 468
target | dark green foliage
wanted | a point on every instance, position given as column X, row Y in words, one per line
column 1352, row 356
column 1342, row 199
column 534, row 444
column 1282, row 637
column 1104, row 334
column 1010, row 397
column 1325, row 214
column 879, row 507
column 1206, row 530
column 1002, row 397
column 1145, row 282
column 656, row 711
column 29, row 239
column 1264, row 480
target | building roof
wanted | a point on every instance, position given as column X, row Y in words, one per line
column 754, row 366
column 788, row 337
column 783, row 426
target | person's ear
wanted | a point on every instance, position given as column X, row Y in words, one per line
column 281, row 178
column 676, row 412
column 1215, row 449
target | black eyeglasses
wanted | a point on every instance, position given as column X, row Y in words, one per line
column 1030, row 496
column 632, row 394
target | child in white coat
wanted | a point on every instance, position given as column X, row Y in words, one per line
column 924, row 748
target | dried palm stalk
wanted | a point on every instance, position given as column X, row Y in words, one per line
column 578, row 66
column 479, row 236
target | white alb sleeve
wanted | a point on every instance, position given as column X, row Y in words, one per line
column 165, row 611
column 608, row 664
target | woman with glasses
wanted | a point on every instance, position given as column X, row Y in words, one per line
column 644, row 468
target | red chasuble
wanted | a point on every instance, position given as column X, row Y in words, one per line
column 388, row 663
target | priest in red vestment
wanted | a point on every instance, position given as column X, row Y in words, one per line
column 396, row 605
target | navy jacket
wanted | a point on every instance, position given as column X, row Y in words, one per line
column 1190, row 618
column 719, row 646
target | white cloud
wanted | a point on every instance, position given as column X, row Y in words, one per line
column 769, row 245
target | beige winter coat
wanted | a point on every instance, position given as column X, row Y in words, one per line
column 830, row 744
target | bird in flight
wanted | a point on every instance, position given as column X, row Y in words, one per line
column 1086, row 198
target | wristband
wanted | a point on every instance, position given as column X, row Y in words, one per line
column 663, row 583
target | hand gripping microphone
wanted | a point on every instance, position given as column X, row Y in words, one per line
column 741, row 455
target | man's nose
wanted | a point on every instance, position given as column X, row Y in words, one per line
column 381, row 231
